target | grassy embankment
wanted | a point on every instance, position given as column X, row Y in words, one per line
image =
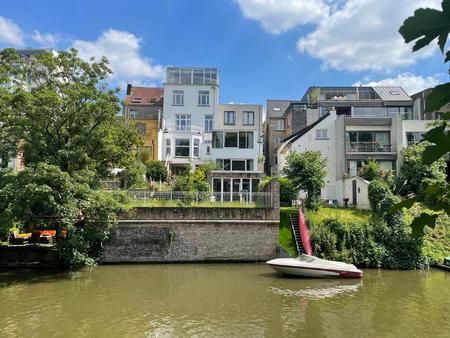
column 436, row 242
column 286, row 238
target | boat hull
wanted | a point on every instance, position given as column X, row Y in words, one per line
column 295, row 268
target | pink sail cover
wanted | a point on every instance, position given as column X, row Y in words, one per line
column 304, row 233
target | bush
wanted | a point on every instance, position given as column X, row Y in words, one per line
column 134, row 176
column 288, row 192
column 156, row 170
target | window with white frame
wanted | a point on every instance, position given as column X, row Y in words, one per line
column 136, row 100
column 196, row 147
column 229, row 118
column 182, row 147
column 133, row 115
column 208, row 123
column 183, row 122
column 203, row 98
column 279, row 125
column 178, row 98
column 248, row 118
column 321, row 134
column 168, row 147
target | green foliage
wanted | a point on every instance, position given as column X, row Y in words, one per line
column 68, row 118
column 134, row 176
column 307, row 171
column 425, row 26
column 371, row 170
column 288, row 192
column 47, row 197
column 156, row 170
column 193, row 181
column 416, row 173
column 349, row 242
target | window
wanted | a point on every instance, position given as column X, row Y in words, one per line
column 178, row 98
column 276, row 109
column 369, row 112
column 183, row 122
column 368, row 141
column 238, row 165
column 407, row 113
column 133, row 115
column 203, row 98
column 231, row 140
column 229, row 118
column 394, row 92
column 208, row 123
column 321, row 134
column 414, row 137
column 276, row 140
column 241, row 165
column 248, row 118
column 438, row 115
column 141, row 128
column 168, row 147
column 246, row 139
column 136, row 100
column 208, row 150
column 279, row 125
column 185, row 76
column 196, row 147
column 182, row 147
column 250, row 165
column 217, row 139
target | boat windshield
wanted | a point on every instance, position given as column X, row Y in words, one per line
column 306, row 258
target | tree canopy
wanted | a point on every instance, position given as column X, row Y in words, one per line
column 60, row 110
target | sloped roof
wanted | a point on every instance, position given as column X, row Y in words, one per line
column 148, row 95
column 391, row 93
column 294, row 137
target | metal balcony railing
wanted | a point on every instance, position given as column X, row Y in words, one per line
column 368, row 147
column 184, row 129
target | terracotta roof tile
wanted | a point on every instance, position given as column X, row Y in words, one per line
column 147, row 95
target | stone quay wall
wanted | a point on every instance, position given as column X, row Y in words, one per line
column 154, row 235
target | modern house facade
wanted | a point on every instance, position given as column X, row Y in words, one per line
column 143, row 109
column 350, row 125
column 237, row 149
column 191, row 96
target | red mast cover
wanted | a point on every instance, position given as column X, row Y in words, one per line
column 304, row 233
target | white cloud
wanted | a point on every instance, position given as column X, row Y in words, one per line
column 278, row 16
column 409, row 82
column 10, row 32
column 46, row 39
column 363, row 35
column 122, row 50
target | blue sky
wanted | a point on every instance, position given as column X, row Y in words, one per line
column 263, row 48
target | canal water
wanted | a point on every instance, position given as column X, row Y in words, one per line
column 221, row 300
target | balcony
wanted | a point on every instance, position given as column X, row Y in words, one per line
column 183, row 129
column 368, row 147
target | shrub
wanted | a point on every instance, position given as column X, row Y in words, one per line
column 134, row 176
column 156, row 170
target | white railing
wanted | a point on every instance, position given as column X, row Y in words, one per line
column 184, row 129
column 202, row 199
column 368, row 147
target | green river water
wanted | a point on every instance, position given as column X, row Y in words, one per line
column 221, row 300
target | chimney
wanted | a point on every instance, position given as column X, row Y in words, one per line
column 129, row 86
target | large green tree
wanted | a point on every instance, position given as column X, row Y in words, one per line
column 307, row 171
column 63, row 111
column 425, row 26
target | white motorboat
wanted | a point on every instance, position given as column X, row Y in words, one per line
column 310, row 266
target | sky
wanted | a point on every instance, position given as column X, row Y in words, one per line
column 264, row 49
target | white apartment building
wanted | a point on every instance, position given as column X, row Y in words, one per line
column 191, row 96
column 237, row 146
column 350, row 125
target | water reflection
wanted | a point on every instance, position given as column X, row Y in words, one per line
column 320, row 291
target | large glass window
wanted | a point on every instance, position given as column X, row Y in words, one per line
column 208, row 123
column 368, row 141
column 183, row 122
column 186, row 76
column 369, row 112
column 178, row 98
column 248, row 118
column 217, row 139
column 238, row 165
column 231, row 140
column 229, row 118
column 182, row 147
column 203, row 98
column 246, row 139
column 196, row 147
column 230, row 164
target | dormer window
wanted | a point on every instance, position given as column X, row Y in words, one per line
column 136, row 100
column 394, row 92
